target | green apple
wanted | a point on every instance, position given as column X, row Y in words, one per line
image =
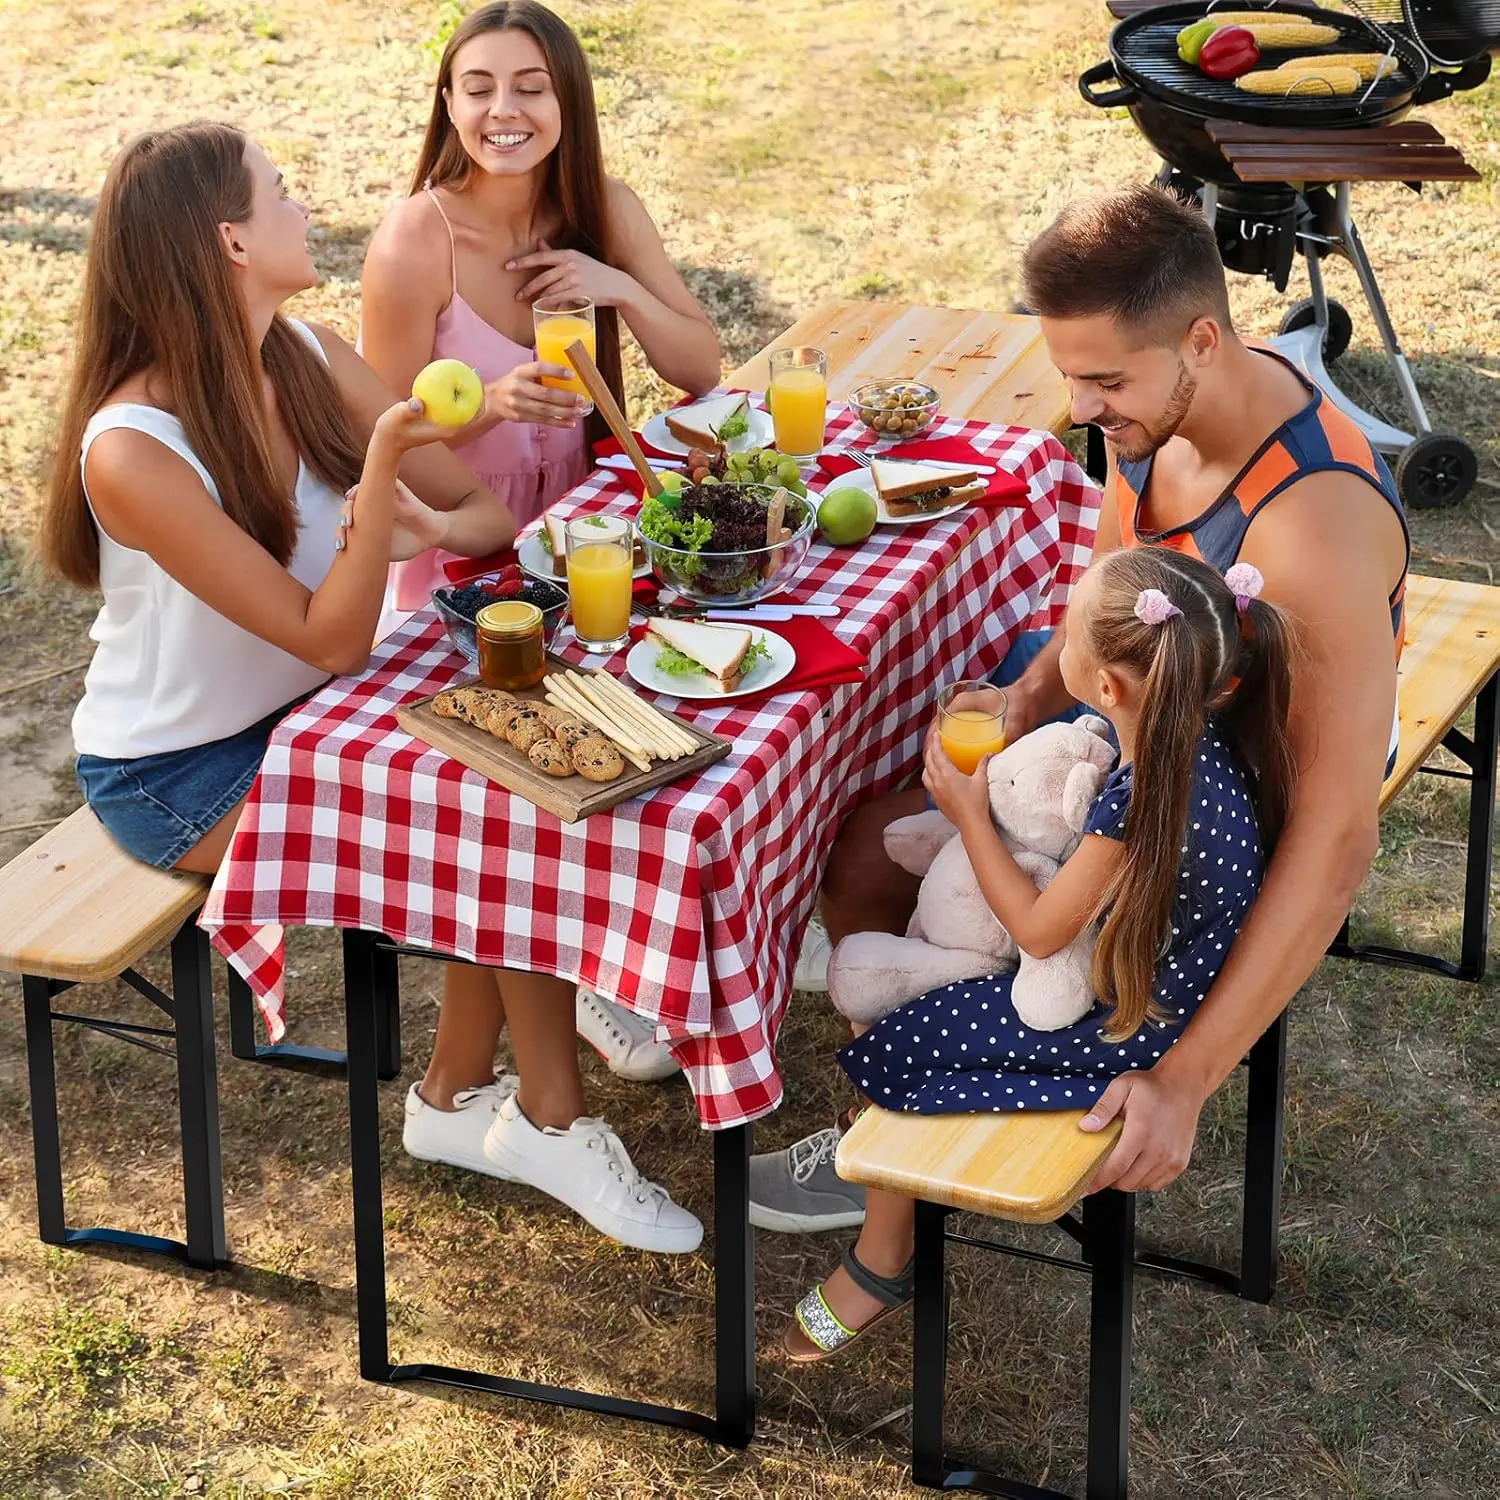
column 450, row 392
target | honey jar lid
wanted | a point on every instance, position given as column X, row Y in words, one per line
column 509, row 617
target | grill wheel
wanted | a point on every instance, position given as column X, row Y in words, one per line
column 1435, row 471
column 1338, row 333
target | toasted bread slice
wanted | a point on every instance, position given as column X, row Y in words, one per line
column 698, row 425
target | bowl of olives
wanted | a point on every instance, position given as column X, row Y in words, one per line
column 894, row 409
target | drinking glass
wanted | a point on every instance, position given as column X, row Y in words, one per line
column 558, row 322
column 600, row 566
column 971, row 723
column 798, row 399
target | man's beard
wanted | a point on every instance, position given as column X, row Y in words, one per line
column 1155, row 434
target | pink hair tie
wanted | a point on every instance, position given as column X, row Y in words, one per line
column 1245, row 583
column 1152, row 607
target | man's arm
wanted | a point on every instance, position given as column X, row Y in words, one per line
column 1328, row 558
column 1038, row 694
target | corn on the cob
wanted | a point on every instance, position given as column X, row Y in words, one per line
column 1304, row 83
column 1257, row 17
column 1284, row 36
column 1368, row 65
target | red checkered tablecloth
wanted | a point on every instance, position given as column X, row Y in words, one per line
column 686, row 905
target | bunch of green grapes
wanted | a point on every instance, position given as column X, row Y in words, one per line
column 764, row 466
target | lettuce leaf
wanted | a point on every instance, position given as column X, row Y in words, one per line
column 674, row 663
column 758, row 652
column 734, row 426
column 663, row 524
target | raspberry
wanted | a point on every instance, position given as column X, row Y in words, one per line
column 508, row 588
column 509, row 572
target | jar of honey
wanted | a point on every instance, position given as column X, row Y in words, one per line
column 511, row 653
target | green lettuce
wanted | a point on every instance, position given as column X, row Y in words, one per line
column 734, row 426
column 664, row 524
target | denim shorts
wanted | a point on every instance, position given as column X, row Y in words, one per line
column 157, row 807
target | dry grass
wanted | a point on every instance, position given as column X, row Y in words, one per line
column 853, row 148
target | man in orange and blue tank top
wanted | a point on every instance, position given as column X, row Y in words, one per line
column 1224, row 451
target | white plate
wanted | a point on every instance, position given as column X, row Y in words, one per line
column 536, row 560
column 861, row 479
column 760, row 435
column 641, row 665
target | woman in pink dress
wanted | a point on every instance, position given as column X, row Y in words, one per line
column 509, row 203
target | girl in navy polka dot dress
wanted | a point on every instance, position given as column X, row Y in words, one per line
column 1193, row 672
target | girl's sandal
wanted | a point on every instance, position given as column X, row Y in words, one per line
column 825, row 1331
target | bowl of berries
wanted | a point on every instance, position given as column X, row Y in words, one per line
column 457, row 606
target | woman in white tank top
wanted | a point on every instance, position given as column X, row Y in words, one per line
column 216, row 441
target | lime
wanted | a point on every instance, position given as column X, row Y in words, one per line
column 846, row 516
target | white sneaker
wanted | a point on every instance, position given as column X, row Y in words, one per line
column 623, row 1039
column 588, row 1168
column 456, row 1137
column 812, row 961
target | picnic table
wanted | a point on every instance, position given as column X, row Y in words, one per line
column 686, row 905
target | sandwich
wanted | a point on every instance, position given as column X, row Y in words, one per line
column 722, row 654
column 700, row 425
column 908, row 488
column 554, row 539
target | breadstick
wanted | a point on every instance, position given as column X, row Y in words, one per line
column 663, row 729
column 627, row 713
column 668, row 725
column 594, row 696
column 564, row 696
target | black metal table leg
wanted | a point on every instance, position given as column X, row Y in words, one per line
column 385, row 976
column 734, row 1421
column 198, row 1096
column 1476, row 934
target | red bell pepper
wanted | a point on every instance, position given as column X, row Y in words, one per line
column 1228, row 53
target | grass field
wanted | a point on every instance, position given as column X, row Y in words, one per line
column 886, row 150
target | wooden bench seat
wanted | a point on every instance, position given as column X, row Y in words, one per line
column 75, row 906
column 1033, row 1168
column 75, row 909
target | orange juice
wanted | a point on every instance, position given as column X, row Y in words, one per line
column 968, row 735
column 798, row 398
column 553, row 335
column 599, row 585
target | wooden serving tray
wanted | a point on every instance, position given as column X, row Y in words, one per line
column 570, row 797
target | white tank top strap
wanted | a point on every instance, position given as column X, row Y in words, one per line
column 452, row 247
column 310, row 338
column 155, row 423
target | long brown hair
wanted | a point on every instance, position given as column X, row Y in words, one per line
column 158, row 294
column 1209, row 660
column 574, row 183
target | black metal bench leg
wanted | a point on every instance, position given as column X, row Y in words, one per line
column 198, row 1096
column 1109, row 1231
column 46, row 1142
column 291, row 1056
column 1260, row 1233
column 1476, row 933
column 929, row 1347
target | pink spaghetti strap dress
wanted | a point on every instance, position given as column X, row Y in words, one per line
column 528, row 466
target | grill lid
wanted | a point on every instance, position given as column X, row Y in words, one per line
column 1143, row 49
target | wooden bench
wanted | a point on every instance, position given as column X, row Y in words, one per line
column 74, row 910
column 1034, row 1168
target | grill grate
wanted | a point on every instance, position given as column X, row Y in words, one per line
column 1145, row 48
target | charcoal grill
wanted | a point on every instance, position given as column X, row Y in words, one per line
column 1262, row 227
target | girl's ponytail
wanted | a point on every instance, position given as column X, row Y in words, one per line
column 1255, row 716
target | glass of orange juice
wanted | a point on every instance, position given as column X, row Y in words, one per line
column 599, row 581
column 971, row 723
column 558, row 322
column 797, row 396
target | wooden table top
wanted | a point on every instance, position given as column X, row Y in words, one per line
column 988, row 366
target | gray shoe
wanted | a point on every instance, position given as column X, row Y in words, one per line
column 797, row 1191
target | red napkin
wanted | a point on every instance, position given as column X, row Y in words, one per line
column 462, row 569
column 822, row 658
column 1004, row 489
